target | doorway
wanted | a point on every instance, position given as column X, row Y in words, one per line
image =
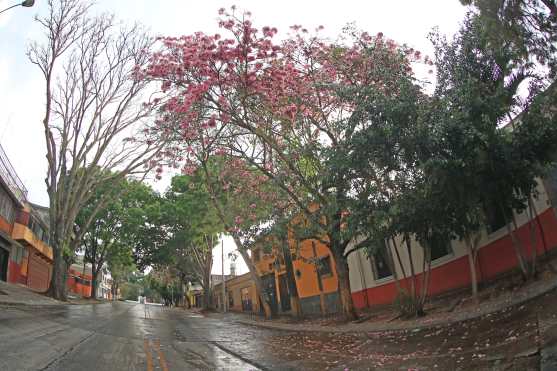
column 269, row 290
column 4, row 258
column 284, row 293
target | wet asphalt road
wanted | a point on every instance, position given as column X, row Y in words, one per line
column 115, row 336
column 128, row 336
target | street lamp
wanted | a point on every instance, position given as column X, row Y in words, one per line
column 25, row 4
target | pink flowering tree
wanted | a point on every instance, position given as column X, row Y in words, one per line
column 245, row 200
column 284, row 108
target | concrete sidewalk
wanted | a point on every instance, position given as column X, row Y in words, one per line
column 14, row 295
column 488, row 307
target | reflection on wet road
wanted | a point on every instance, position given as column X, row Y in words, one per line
column 116, row 336
column 128, row 336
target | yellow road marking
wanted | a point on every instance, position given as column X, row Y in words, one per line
column 161, row 355
column 148, row 354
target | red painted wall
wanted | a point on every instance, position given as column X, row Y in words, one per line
column 78, row 288
column 6, row 226
column 493, row 259
column 14, row 270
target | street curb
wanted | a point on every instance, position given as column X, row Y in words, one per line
column 36, row 306
column 528, row 295
column 238, row 355
column 42, row 306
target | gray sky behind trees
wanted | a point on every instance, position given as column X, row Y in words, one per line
column 21, row 86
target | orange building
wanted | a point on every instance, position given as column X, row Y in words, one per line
column 372, row 280
column 30, row 230
column 314, row 274
column 240, row 293
column 13, row 196
column 79, row 280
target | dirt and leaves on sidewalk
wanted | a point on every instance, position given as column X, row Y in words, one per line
column 14, row 295
column 514, row 338
column 513, row 328
column 447, row 309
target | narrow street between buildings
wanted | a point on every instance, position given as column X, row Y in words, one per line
column 131, row 336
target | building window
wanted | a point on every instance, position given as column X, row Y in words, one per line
column 440, row 247
column 380, row 264
column 38, row 230
column 7, row 206
column 494, row 217
column 17, row 254
column 230, row 299
column 82, row 281
column 324, row 266
column 246, row 299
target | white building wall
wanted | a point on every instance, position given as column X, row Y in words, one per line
column 360, row 267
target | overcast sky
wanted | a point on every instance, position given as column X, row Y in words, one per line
column 21, row 87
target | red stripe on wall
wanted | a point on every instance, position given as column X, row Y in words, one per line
column 493, row 259
column 15, row 272
column 6, row 226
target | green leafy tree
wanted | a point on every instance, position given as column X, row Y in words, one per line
column 528, row 27
column 194, row 227
column 121, row 267
column 492, row 158
column 114, row 231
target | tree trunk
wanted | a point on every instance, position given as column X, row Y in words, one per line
column 345, row 293
column 94, row 284
column 207, row 297
column 425, row 283
column 255, row 278
column 114, row 289
column 292, row 289
column 472, row 264
column 207, row 294
column 243, row 252
column 207, row 290
column 517, row 246
column 542, row 231
column 412, row 270
column 533, row 242
column 57, row 289
column 518, row 251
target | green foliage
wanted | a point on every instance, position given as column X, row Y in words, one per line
column 527, row 27
column 127, row 226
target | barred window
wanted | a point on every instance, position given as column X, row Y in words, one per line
column 7, row 206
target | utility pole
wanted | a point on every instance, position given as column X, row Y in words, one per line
column 223, row 282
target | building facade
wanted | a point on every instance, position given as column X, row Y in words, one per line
column 25, row 254
column 79, row 281
column 240, row 295
column 372, row 278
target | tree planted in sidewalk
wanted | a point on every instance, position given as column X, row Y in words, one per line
column 244, row 200
column 528, row 27
column 94, row 119
column 277, row 105
column 496, row 129
column 121, row 267
column 194, row 227
column 107, row 238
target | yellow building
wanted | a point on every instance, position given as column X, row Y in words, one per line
column 240, row 293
